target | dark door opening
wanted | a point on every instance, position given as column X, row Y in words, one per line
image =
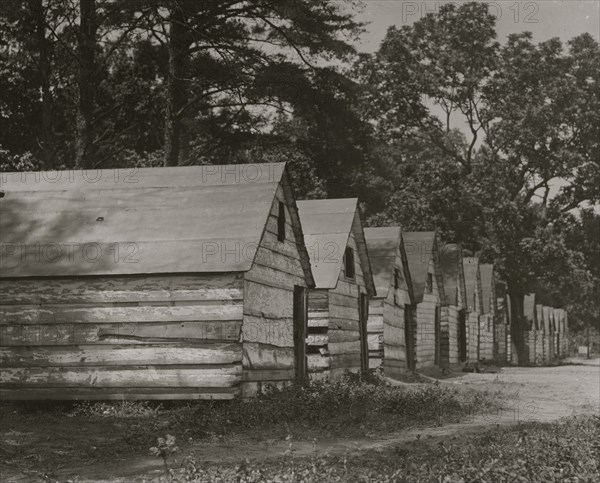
column 300, row 329
column 462, row 336
column 363, row 313
column 410, row 336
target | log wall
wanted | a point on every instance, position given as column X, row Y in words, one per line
column 128, row 337
column 268, row 327
column 426, row 337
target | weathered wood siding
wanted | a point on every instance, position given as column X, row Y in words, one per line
column 268, row 327
column 128, row 337
column 318, row 333
column 486, row 337
column 344, row 320
column 449, row 348
column 385, row 327
column 426, row 337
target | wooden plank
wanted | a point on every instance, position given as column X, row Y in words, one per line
column 262, row 356
column 250, row 375
column 273, row 331
column 374, row 342
column 317, row 339
column 343, row 300
column 130, row 377
column 64, row 314
column 167, row 288
column 120, row 333
column 117, row 394
column 347, row 361
column 344, row 347
column 273, row 302
column 343, row 335
column 318, row 319
column 348, row 313
column 120, row 355
column 273, row 277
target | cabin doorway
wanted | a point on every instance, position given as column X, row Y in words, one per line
column 462, row 336
column 410, row 336
column 363, row 314
column 438, row 335
column 300, row 330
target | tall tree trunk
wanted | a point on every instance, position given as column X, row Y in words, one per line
column 179, row 44
column 84, row 149
column 44, row 61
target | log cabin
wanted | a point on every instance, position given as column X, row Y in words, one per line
column 428, row 289
column 339, row 303
column 454, row 307
column 487, row 341
column 153, row 283
column 392, row 312
column 475, row 306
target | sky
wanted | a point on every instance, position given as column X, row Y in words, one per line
column 545, row 19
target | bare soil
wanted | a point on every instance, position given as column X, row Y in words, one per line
column 535, row 394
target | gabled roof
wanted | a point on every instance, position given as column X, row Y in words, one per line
column 383, row 244
column 487, row 285
column 139, row 221
column 453, row 274
column 327, row 225
column 419, row 246
column 471, row 268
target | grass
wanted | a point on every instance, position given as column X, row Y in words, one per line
column 63, row 434
column 567, row 451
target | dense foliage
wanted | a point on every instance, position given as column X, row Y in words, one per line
column 495, row 142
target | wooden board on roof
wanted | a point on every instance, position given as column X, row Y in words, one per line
column 452, row 274
column 471, row 270
column 487, row 285
column 327, row 225
column 130, row 222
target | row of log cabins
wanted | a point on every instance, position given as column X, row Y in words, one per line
column 211, row 282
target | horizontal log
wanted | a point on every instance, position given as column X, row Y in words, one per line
column 374, row 342
column 273, row 331
column 260, row 356
column 99, row 290
column 348, row 313
column 343, row 300
column 117, row 394
column 141, row 333
column 318, row 319
column 337, row 335
column 344, row 347
column 120, row 355
column 266, row 375
column 270, row 301
column 129, row 377
column 273, row 277
column 64, row 314
column 344, row 361
column 317, row 339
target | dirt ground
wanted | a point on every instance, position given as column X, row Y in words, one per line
column 535, row 394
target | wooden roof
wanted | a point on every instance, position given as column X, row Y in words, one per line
column 326, row 225
column 471, row 269
column 383, row 244
column 138, row 221
column 487, row 285
column 419, row 246
column 453, row 274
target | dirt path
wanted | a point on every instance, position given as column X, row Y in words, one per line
column 537, row 394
